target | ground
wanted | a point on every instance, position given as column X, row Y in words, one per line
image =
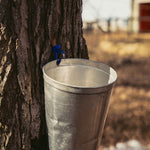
column 129, row 112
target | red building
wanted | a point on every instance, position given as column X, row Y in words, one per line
column 140, row 15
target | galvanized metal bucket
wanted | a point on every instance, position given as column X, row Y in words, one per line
column 77, row 94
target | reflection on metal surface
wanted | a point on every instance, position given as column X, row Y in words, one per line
column 77, row 96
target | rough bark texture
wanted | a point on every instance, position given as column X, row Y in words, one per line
column 26, row 27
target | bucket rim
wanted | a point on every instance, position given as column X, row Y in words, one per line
column 80, row 88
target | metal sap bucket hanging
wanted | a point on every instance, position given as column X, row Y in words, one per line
column 77, row 94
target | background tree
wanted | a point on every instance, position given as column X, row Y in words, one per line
column 26, row 29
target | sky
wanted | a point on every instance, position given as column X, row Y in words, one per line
column 96, row 9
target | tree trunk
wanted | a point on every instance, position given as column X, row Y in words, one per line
column 26, row 29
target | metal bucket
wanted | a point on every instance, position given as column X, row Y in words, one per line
column 77, row 94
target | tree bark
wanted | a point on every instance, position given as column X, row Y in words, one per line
column 26, row 29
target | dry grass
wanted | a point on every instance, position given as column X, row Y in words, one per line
column 106, row 47
column 129, row 113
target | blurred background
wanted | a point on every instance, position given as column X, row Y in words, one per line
column 117, row 33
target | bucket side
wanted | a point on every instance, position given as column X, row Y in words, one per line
column 75, row 121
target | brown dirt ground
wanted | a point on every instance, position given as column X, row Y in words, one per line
column 129, row 112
